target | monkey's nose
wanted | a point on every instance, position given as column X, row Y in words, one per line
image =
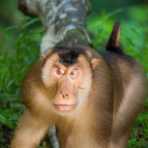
column 64, row 95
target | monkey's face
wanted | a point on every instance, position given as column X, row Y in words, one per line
column 70, row 83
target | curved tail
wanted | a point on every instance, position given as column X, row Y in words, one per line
column 113, row 44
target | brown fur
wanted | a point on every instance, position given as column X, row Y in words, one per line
column 103, row 120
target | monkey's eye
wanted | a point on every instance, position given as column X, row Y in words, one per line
column 74, row 73
column 58, row 71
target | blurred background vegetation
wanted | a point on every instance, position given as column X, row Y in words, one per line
column 19, row 47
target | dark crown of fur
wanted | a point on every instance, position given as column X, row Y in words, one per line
column 69, row 55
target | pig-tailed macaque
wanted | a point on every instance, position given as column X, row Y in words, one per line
column 91, row 98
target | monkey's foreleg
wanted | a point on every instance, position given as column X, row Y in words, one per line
column 29, row 132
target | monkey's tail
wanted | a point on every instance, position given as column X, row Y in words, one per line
column 113, row 44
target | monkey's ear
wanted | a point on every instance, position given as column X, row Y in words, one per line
column 95, row 62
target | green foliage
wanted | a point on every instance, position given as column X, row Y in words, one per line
column 14, row 63
column 20, row 48
column 133, row 34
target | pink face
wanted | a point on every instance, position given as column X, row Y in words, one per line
column 69, row 80
column 73, row 82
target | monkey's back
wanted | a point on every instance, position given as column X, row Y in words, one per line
column 130, row 89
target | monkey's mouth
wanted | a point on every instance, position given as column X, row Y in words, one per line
column 64, row 107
